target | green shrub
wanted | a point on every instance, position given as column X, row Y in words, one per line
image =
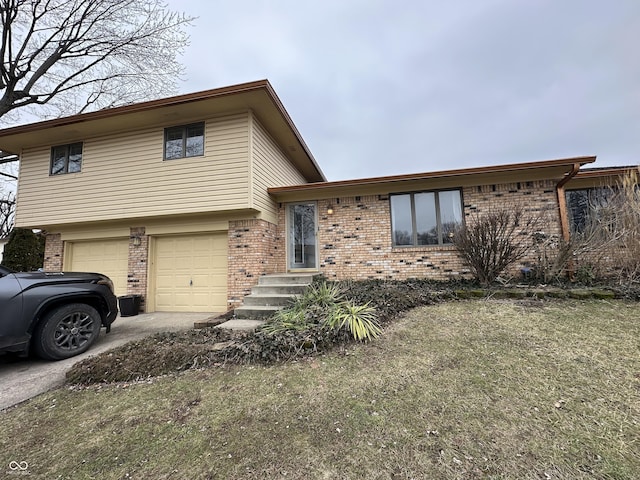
column 24, row 252
column 323, row 294
column 305, row 311
column 284, row 320
column 360, row 320
column 321, row 307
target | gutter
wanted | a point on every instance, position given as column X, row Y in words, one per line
column 562, row 201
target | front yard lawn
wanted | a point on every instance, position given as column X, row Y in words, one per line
column 472, row 389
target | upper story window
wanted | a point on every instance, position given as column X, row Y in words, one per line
column 66, row 158
column 184, row 141
column 425, row 218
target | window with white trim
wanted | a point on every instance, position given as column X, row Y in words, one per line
column 425, row 218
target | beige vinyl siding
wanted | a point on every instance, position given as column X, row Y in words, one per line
column 125, row 176
column 270, row 168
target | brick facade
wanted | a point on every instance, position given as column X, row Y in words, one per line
column 355, row 241
column 137, row 265
column 53, row 253
column 253, row 251
column 538, row 198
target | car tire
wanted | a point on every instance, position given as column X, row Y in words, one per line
column 67, row 331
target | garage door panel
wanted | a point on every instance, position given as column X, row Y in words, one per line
column 191, row 273
column 109, row 257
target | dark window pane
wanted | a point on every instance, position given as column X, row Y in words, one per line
column 75, row 158
column 302, row 226
column 186, row 141
column 578, row 206
column 58, row 160
column 425, row 218
column 401, row 224
column 195, row 140
column 195, row 130
column 583, row 206
column 173, row 149
column 426, row 222
column 450, row 213
column 173, row 143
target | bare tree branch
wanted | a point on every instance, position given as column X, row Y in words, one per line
column 68, row 56
column 8, row 184
column 8, row 175
column 7, row 213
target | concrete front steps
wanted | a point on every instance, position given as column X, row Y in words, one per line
column 271, row 294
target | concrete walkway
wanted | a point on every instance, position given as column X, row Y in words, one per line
column 21, row 379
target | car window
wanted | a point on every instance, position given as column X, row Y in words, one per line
column 4, row 271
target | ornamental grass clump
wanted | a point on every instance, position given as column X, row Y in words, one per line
column 360, row 320
column 323, row 306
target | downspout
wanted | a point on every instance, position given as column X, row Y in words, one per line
column 564, row 216
column 562, row 202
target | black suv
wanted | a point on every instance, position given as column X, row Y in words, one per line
column 59, row 315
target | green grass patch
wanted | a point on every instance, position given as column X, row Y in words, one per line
column 476, row 389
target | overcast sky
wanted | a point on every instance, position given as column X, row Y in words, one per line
column 382, row 87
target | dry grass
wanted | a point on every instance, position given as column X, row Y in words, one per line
column 477, row 389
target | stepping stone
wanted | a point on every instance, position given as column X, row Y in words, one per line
column 240, row 324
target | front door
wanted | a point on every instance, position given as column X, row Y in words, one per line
column 301, row 233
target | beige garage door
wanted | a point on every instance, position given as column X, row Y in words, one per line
column 191, row 273
column 109, row 257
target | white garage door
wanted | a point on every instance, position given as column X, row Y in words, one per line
column 191, row 273
column 109, row 257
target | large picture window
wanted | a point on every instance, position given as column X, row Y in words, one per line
column 184, row 141
column 425, row 218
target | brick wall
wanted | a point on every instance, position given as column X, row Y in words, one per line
column 53, row 253
column 137, row 267
column 253, row 251
column 355, row 241
column 537, row 197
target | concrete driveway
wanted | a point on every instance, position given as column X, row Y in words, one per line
column 22, row 379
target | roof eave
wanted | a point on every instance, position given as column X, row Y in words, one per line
column 280, row 193
column 96, row 116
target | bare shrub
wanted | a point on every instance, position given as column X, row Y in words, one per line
column 553, row 256
column 616, row 225
column 491, row 242
column 607, row 245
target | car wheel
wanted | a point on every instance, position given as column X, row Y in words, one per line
column 67, row 331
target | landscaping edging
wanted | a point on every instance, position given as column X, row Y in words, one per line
column 576, row 293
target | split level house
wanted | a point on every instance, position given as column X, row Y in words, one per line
column 188, row 200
